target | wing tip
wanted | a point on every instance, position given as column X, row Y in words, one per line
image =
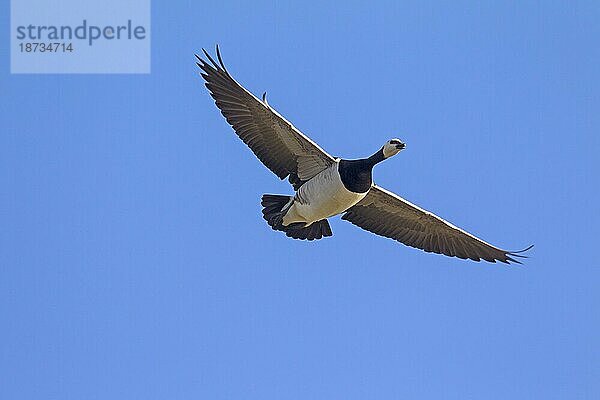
column 213, row 62
column 518, row 254
column 219, row 66
column 218, row 50
column 522, row 251
column 509, row 261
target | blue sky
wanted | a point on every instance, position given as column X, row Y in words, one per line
column 135, row 262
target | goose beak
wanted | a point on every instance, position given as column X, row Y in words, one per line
column 401, row 146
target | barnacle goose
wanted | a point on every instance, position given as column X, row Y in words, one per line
column 326, row 186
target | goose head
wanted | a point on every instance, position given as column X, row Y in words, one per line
column 393, row 147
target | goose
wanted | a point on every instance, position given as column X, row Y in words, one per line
column 326, row 186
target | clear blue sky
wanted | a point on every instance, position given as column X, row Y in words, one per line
column 135, row 263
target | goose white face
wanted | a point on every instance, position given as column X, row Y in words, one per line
column 393, row 147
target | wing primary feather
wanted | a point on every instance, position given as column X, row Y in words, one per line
column 221, row 60
column 510, row 259
column 510, row 254
column 211, row 59
column 517, row 255
column 520, row 251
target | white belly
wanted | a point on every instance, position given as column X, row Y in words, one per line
column 321, row 197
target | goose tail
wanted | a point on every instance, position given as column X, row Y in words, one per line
column 274, row 209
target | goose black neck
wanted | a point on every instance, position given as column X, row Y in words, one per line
column 376, row 158
column 356, row 175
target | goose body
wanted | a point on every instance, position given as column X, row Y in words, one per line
column 326, row 186
column 323, row 196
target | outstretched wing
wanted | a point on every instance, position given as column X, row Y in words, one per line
column 387, row 214
column 275, row 141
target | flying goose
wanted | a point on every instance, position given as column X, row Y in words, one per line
column 326, row 186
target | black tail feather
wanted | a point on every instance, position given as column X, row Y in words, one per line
column 316, row 230
column 275, row 208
